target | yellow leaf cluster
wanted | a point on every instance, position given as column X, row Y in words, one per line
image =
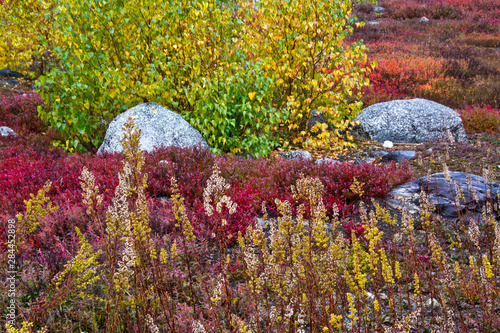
column 29, row 34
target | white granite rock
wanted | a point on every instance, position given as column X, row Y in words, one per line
column 159, row 126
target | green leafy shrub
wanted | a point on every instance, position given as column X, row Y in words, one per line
column 238, row 71
column 237, row 114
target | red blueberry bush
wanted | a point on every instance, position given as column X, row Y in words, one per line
column 252, row 182
column 19, row 112
column 481, row 120
column 257, row 181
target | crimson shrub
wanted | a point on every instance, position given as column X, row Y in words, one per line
column 19, row 112
column 253, row 181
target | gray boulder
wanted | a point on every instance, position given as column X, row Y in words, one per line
column 442, row 195
column 290, row 155
column 6, row 131
column 415, row 121
column 159, row 126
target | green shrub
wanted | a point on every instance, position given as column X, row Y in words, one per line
column 238, row 72
column 237, row 113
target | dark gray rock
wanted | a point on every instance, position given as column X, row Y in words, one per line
column 159, row 126
column 290, row 155
column 6, row 131
column 379, row 153
column 318, row 117
column 9, row 82
column 262, row 223
column 9, row 73
column 443, row 195
column 415, row 121
column 399, row 156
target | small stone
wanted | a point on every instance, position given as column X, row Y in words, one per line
column 6, row 131
column 379, row 153
column 371, row 297
column 378, row 9
column 290, row 155
column 432, row 302
column 261, row 222
column 318, row 118
column 388, row 144
column 424, row 19
column 326, row 161
column 373, row 23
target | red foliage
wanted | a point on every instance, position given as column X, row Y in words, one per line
column 24, row 170
column 480, row 120
column 449, row 59
column 359, row 230
column 254, row 181
column 19, row 112
column 403, row 10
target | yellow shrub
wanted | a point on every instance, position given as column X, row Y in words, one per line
column 29, row 34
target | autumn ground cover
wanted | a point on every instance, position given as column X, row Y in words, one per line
column 170, row 242
column 451, row 59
